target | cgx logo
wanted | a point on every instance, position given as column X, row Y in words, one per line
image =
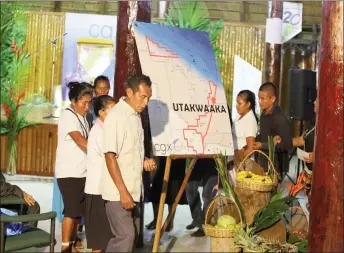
column 168, row 148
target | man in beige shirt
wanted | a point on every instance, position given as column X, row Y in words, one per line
column 121, row 182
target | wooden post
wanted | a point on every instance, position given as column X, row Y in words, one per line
column 273, row 52
column 326, row 216
column 127, row 59
column 128, row 63
column 160, row 230
column 162, row 204
column 179, row 195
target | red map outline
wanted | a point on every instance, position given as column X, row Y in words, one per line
column 211, row 100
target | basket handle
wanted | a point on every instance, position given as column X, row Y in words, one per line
column 212, row 203
column 240, row 167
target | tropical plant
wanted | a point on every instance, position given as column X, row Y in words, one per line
column 194, row 15
column 221, row 166
column 14, row 70
column 265, row 218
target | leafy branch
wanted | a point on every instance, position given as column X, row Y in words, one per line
column 194, row 15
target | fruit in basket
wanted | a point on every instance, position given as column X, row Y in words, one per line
column 226, row 220
column 251, row 177
column 231, row 226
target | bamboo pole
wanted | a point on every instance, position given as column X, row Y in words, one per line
column 179, row 195
column 161, row 205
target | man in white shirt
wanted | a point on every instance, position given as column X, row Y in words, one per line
column 121, row 182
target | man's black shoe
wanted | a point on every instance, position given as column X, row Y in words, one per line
column 198, row 233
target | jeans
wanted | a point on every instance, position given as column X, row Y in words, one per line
column 197, row 212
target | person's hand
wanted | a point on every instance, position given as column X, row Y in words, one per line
column 309, row 159
column 277, row 139
column 149, row 164
column 257, row 145
column 127, row 200
column 29, row 199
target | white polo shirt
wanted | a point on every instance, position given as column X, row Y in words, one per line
column 70, row 160
column 95, row 159
column 123, row 135
column 243, row 128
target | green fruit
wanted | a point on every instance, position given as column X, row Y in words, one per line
column 218, row 226
column 237, row 226
column 231, row 226
column 226, row 220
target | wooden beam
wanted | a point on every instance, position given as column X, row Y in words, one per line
column 242, row 11
column 103, row 7
column 57, row 6
column 273, row 53
column 326, row 215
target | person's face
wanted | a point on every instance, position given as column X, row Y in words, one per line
column 266, row 100
column 104, row 112
column 242, row 106
column 102, row 88
column 139, row 99
column 316, row 106
column 82, row 105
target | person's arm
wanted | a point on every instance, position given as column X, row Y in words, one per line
column 284, row 131
column 249, row 147
column 8, row 189
column 115, row 173
column 79, row 140
column 298, row 141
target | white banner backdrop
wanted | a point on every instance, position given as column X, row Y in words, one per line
column 85, row 26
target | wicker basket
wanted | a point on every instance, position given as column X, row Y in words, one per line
column 257, row 186
column 221, row 239
column 223, row 202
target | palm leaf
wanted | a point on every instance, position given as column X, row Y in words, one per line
column 271, row 214
column 4, row 130
column 194, row 15
column 221, row 167
column 277, row 196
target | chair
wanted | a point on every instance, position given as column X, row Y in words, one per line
column 31, row 239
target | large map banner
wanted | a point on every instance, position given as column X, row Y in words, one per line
column 188, row 112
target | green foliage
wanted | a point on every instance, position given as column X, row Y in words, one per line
column 277, row 196
column 221, row 167
column 13, row 31
column 194, row 15
column 271, row 214
column 301, row 244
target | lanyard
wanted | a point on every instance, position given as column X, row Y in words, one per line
column 83, row 126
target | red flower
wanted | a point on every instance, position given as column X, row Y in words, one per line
column 6, row 108
column 21, row 95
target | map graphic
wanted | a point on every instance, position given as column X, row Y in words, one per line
column 188, row 112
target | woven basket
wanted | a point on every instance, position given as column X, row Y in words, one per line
column 257, row 186
column 219, row 232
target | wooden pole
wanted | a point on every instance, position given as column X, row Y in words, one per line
column 273, row 52
column 326, row 216
column 179, row 195
column 161, row 205
column 128, row 64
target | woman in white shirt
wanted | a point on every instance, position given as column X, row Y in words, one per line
column 98, row 232
column 70, row 164
column 245, row 125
